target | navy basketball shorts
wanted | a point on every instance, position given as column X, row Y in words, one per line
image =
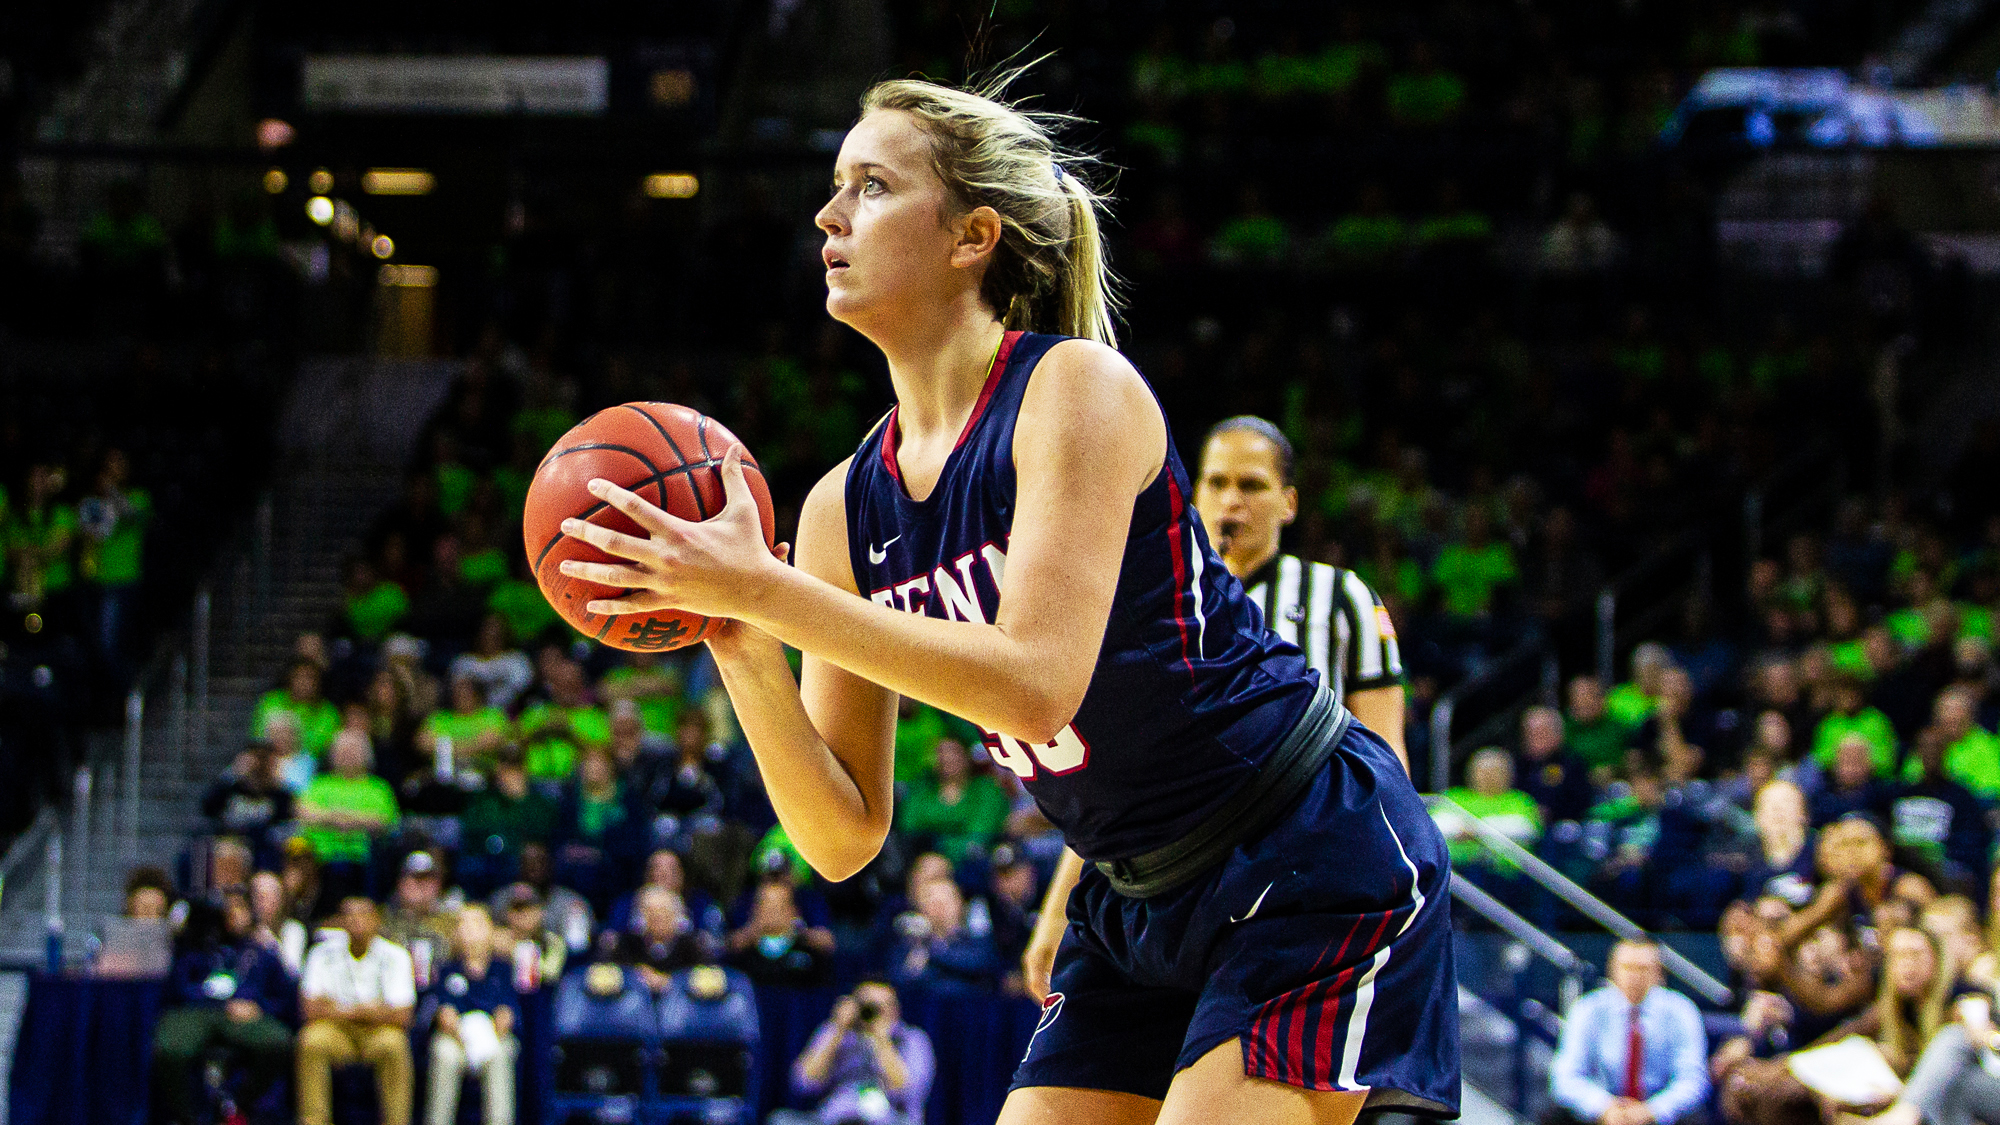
column 1324, row 947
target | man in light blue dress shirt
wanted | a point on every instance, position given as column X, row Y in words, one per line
column 1598, row 1078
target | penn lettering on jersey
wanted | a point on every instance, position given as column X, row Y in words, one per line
column 1190, row 691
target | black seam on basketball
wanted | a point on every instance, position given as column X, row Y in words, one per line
column 700, row 508
column 609, row 621
column 643, row 459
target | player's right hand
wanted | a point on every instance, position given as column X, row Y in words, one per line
column 1038, row 962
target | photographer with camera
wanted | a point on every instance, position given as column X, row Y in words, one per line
column 864, row 1063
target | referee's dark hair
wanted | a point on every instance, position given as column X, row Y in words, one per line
column 1263, row 428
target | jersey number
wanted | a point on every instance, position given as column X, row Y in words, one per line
column 1066, row 754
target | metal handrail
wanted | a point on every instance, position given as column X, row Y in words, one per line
column 1538, row 941
column 1446, row 707
column 1585, row 903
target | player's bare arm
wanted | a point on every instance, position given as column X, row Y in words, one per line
column 1089, row 441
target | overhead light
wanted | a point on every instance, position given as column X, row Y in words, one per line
column 319, row 209
column 275, row 181
column 409, row 277
column 397, row 181
column 274, row 132
column 672, row 185
column 321, row 182
column 383, row 246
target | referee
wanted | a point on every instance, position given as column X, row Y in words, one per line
column 1245, row 495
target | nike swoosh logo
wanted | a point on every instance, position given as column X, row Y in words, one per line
column 877, row 554
column 1252, row 912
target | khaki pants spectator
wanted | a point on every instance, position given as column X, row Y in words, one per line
column 325, row 1044
column 448, row 1071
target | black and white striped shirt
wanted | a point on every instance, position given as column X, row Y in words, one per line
column 1334, row 616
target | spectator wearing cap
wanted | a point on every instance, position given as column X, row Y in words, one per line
column 303, row 697
column 226, row 989
column 501, row 820
column 1632, row 1052
column 953, row 809
column 472, row 1030
column 566, row 912
column 1554, row 777
column 342, row 810
column 418, row 918
column 357, row 998
column 1012, row 901
column 525, row 919
column 249, row 801
column 664, row 943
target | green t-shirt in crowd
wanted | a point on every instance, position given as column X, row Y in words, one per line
column 1851, row 657
column 1252, row 239
column 1909, row 628
column 1972, row 761
column 521, row 604
column 1469, row 575
column 112, row 556
column 595, row 817
column 512, row 485
column 1366, row 238
column 1599, row 743
column 1629, row 705
column 494, row 825
column 372, row 615
column 466, row 731
column 1870, row 724
column 368, row 795
column 1425, row 99
column 1513, row 812
column 659, row 713
column 917, row 739
column 49, row 530
column 483, row 568
column 319, row 721
column 977, row 818
column 776, row 840
column 455, row 484
column 551, row 750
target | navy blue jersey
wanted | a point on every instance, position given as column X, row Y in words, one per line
column 1190, row 692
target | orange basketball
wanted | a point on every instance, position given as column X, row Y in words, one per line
column 672, row 457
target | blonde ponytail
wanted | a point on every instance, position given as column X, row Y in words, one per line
column 1050, row 272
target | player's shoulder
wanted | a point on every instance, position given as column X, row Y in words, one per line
column 1082, row 383
column 830, row 491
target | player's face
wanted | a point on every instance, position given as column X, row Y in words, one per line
column 1243, row 500
column 889, row 237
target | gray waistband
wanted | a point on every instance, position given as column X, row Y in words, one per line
column 1283, row 777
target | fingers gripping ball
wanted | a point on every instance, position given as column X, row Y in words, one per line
column 672, row 458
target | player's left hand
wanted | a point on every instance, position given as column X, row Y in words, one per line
column 714, row 567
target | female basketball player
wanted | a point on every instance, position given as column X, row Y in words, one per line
column 1261, row 933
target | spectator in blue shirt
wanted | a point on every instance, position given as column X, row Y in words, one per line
column 226, row 989
column 473, row 1029
column 1632, row 1052
column 1549, row 771
column 864, row 1064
